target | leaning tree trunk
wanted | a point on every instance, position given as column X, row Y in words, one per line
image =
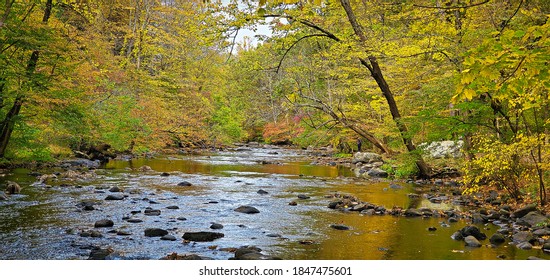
column 9, row 121
column 376, row 73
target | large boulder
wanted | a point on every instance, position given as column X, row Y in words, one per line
column 533, row 219
column 12, row 187
column 473, row 231
column 524, row 211
column 202, row 236
column 443, row 149
column 366, row 157
column 377, row 173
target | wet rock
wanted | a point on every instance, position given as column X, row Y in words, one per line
column 202, row 236
column 432, row 229
column 216, row 226
column 293, row 203
column 303, row 196
column 262, row 192
column 473, row 231
column 100, row 254
column 151, row 212
column 172, row 207
column 184, row 184
column 155, row 232
column 523, row 236
column 3, row 196
column 477, row 218
column 457, row 236
column 546, row 247
column 168, row 237
column 411, row 212
column 123, row 233
column 396, row 186
column 497, row 238
column 340, row 227
column 191, row 257
column 377, row 173
column 525, row 246
column 524, row 211
column 115, row 189
column 91, row 233
column 115, row 197
column 471, row 241
column 164, row 174
column 542, row 232
column 181, row 219
column 86, row 163
column 452, row 220
column 104, row 223
column 533, row 219
column 12, row 188
column 247, row 210
column 88, row 208
column 246, row 250
column 134, row 220
column 274, row 235
column 366, row 157
column 145, row 168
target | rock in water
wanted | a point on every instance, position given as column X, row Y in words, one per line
column 115, row 189
column 472, row 241
column 340, row 227
column 473, row 231
column 3, row 196
column 262, row 192
column 184, row 184
column 168, row 237
column 155, row 232
column 525, row 246
column 12, row 187
column 202, row 236
column 377, row 173
column 100, row 254
column 497, row 238
column 216, row 226
column 104, row 223
column 115, row 197
column 247, row 210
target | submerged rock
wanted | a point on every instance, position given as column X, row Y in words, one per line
column 247, row 210
column 202, row 236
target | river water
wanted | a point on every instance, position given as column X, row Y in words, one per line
column 44, row 221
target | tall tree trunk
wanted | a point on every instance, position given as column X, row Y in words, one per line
column 376, row 73
column 9, row 121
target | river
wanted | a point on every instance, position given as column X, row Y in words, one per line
column 46, row 221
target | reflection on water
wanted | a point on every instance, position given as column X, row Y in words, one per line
column 44, row 222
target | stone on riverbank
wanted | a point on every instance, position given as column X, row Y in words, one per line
column 155, row 232
column 533, row 218
column 366, row 157
column 104, row 223
column 523, row 236
column 202, row 236
column 524, row 211
column 377, row 173
column 100, row 254
column 247, row 210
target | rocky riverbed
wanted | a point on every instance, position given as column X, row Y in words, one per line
column 253, row 203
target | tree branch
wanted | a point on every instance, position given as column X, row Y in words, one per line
column 453, row 7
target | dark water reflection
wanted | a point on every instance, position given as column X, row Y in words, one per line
column 44, row 223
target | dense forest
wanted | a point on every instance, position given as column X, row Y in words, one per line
column 144, row 75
